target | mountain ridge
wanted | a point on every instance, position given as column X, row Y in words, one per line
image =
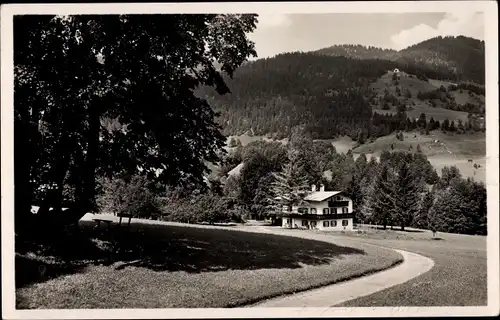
column 461, row 58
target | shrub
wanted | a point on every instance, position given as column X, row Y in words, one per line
column 129, row 196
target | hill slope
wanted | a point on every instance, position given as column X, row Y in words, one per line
column 334, row 96
column 451, row 58
column 329, row 95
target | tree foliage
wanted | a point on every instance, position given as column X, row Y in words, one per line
column 140, row 70
column 380, row 203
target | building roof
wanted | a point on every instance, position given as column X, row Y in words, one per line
column 321, row 195
column 236, row 170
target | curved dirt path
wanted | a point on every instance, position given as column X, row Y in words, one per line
column 412, row 266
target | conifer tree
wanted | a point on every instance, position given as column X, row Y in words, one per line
column 380, row 203
column 422, row 218
column 289, row 187
column 407, row 196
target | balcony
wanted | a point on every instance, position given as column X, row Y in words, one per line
column 338, row 204
column 319, row 216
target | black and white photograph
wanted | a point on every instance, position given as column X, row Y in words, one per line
column 229, row 160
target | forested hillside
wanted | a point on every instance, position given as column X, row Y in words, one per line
column 329, row 95
column 333, row 95
column 446, row 58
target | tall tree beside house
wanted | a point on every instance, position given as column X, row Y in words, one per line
column 254, row 168
column 380, row 203
column 132, row 67
column 354, row 188
column 262, row 202
column 407, row 195
column 302, row 146
column 289, row 187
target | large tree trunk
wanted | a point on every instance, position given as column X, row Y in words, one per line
column 23, row 191
column 53, row 199
column 86, row 192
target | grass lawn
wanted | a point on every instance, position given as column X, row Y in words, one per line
column 458, row 277
column 166, row 266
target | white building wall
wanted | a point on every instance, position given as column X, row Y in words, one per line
column 338, row 227
column 319, row 206
column 297, row 223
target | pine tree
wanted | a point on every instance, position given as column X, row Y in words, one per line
column 452, row 126
column 437, row 125
column 289, row 187
column 413, row 124
column 361, row 138
column 446, row 125
column 422, row 220
column 380, row 203
column 407, row 196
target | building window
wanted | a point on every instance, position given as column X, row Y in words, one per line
column 333, row 223
column 326, row 223
column 303, row 210
column 313, row 224
column 345, row 210
column 345, row 223
column 326, row 211
column 333, row 210
column 313, row 210
column 304, row 223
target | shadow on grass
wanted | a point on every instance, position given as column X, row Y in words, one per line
column 30, row 270
column 175, row 248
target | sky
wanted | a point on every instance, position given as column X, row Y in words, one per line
column 278, row 33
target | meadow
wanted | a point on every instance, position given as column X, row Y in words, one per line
column 458, row 278
column 182, row 266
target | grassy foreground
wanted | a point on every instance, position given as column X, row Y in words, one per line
column 165, row 266
column 458, row 278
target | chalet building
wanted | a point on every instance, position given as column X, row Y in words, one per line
column 323, row 210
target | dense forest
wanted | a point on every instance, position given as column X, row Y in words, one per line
column 399, row 189
column 330, row 94
column 446, row 58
